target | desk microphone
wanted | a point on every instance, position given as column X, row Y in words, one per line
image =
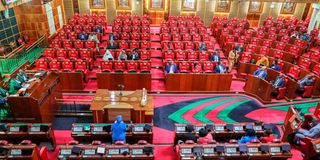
column 121, row 86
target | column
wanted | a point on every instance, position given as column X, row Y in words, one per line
column 316, row 8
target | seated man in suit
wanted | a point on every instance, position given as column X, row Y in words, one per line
column 171, row 68
column 275, row 65
column 22, row 76
column 314, row 132
column 263, row 61
column 98, row 29
column 14, row 85
column 134, row 55
column 279, row 82
column 305, row 81
column 112, row 37
column 220, row 68
column 261, row 72
column 202, row 47
column 215, row 56
column 83, row 36
column 112, row 45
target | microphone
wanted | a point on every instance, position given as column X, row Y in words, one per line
column 121, row 86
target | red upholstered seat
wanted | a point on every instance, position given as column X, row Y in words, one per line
column 145, row 45
column 245, row 58
column 82, row 21
column 264, row 50
column 183, row 30
column 209, row 44
column 134, row 45
column 315, row 56
column 62, row 35
column 126, row 29
column 283, row 32
column 125, row 36
column 184, row 67
column 56, row 43
column 41, row 64
column 91, row 22
column 294, row 72
column 54, row 65
column 67, row 43
column 189, row 46
column 285, row 39
column 242, row 39
column 190, row 23
column 73, row 54
column 77, row 28
column 178, row 45
column 202, row 31
column 61, row 54
column 166, row 37
column 78, row 44
column 277, row 54
column 123, row 45
column 136, row 29
column 181, row 55
column 145, row 23
column 67, row 65
column 81, row 66
column 280, row 46
column 49, row 53
column 249, row 33
column 135, row 36
column 106, row 66
column 168, row 55
column 132, row 66
column 145, row 66
column 118, row 22
column 44, row 153
column 127, row 22
column 205, row 37
column 193, row 31
column 208, row 67
column 316, row 69
column 304, row 62
column 237, row 32
column 119, row 66
column 250, row 48
column 307, row 91
column 203, row 56
column 174, row 30
column 299, row 42
column 260, row 34
column 136, row 22
column 182, row 23
column 145, row 55
column 282, row 91
column 267, row 42
column 199, row 24
column 68, row 28
column 176, row 37
column 145, row 30
column 87, row 29
column 272, row 37
column 165, row 30
column 256, row 41
column 72, row 35
column 192, row 56
column 186, row 37
column 145, row 37
column 196, row 37
column 295, row 50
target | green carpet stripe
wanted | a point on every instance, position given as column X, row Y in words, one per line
column 201, row 114
column 304, row 107
column 223, row 115
column 177, row 116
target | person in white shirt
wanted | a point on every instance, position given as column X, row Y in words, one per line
column 107, row 55
column 122, row 55
column 171, row 68
column 93, row 37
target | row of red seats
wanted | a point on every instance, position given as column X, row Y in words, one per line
column 134, row 22
column 230, row 25
column 134, row 44
column 287, row 31
column 288, row 20
column 187, row 45
column 259, row 33
column 128, row 16
column 125, row 66
column 90, row 21
column 184, row 30
column 57, row 43
column 189, row 67
column 63, row 53
column 181, row 18
column 143, row 54
column 80, row 28
column 131, row 29
column 184, row 37
column 313, row 55
column 246, row 58
column 133, row 36
column 186, row 55
column 187, row 23
column 87, row 16
column 64, row 35
column 65, row 66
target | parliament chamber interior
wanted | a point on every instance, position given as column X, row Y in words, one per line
column 160, row 79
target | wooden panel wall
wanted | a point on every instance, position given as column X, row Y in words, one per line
column 69, row 8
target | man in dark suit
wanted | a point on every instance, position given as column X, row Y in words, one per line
column 83, row 36
column 305, row 81
column 112, row 45
column 261, row 72
column 220, row 68
column 112, row 37
column 134, row 55
column 171, row 68
column 215, row 56
column 279, row 82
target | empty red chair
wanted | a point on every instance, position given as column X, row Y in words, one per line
column 282, row 91
column 72, row 21
column 260, row 34
column 67, row 44
column 145, row 45
column 280, row 46
column 300, row 42
column 225, row 31
column 127, row 22
column 90, row 44
column 283, row 32
column 91, row 22
column 61, row 54
column 264, row 50
column 134, row 45
column 62, row 35
column 178, row 45
column 190, row 24
column 78, row 44
column 136, row 29
column 145, row 37
column 168, row 55
column 106, row 66
column 119, row 66
column 304, row 62
column 186, row 37
column 67, row 66
column 202, row 30
column 145, row 23
column 203, row 56
column 86, row 54
column 193, row 31
column 126, row 29
column 123, row 45
column 294, row 72
column 273, row 37
column 49, row 53
column 136, row 22
column 192, row 56
column 184, row 67
column 285, row 39
column 166, row 45
column 145, row 30
column 145, row 55
column 72, row 35
column 176, row 37
column 315, row 56
column 237, row 32
column 54, row 65
column 172, row 23
column 229, row 39
column 165, row 30
column 164, row 23
column 41, row 64
column 205, row 37
column 250, row 48
column 174, row 30
column 210, row 46
column 245, row 58
column 165, row 37
column 132, row 66
column 242, row 39
column 295, row 50
column 68, row 28
column 87, row 29
column 125, row 36
column 182, row 24
column 308, row 90
column 208, row 67
column 267, row 42
column 249, row 33
column 277, row 54
column 181, row 55
column 145, row 67
column 77, row 28
column 117, row 29
column 81, row 66
column 255, row 41
column 82, row 22
column 184, row 30
column 189, row 46
column 118, row 22
column 316, row 69
column 199, row 24
column 135, row 36
column 73, row 54
column 196, row 37
column 56, row 43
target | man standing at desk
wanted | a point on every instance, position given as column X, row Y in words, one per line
column 261, row 72
column 22, row 76
column 14, row 85
column 118, row 129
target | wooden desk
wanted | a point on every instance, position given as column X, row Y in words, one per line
column 130, row 100
column 40, row 105
column 72, row 81
column 21, row 152
column 131, row 81
column 259, row 87
column 291, row 123
column 198, row 82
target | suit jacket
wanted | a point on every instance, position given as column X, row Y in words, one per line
column 23, row 77
column 260, row 73
column 202, row 48
column 218, row 70
column 305, row 82
column 175, row 68
column 314, row 132
column 112, row 46
column 213, row 57
column 112, row 37
column 82, row 36
column 275, row 67
column 279, row 82
column 136, row 56
column 14, row 86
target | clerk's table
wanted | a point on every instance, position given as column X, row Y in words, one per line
column 108, row 104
